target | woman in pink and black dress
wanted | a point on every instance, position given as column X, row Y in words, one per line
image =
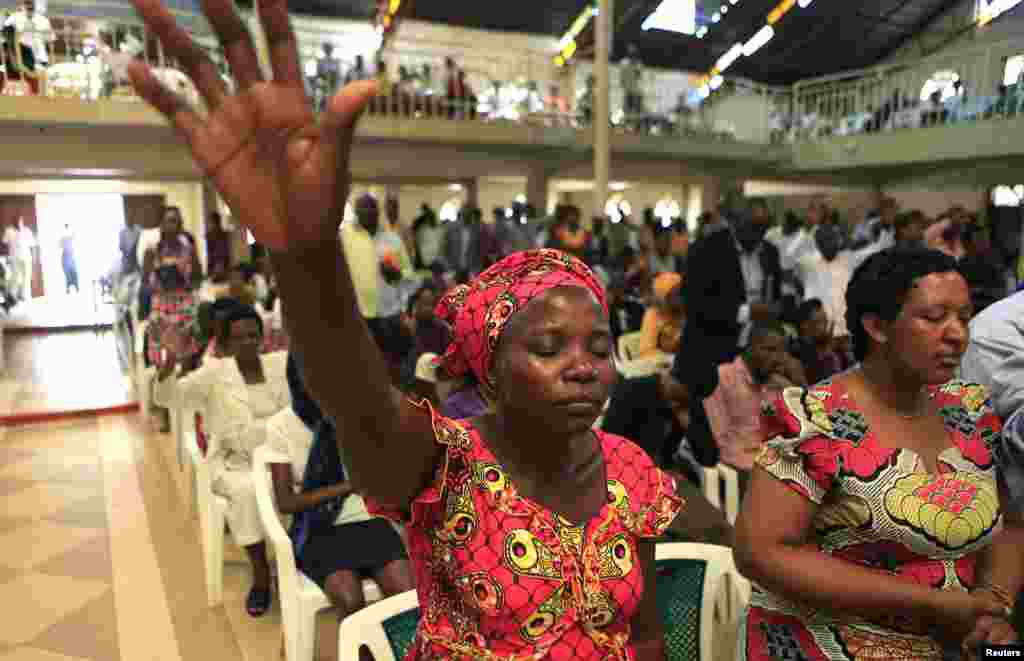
column 173, row 272
column 873, row 522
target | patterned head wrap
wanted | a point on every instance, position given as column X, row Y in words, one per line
column 477, row 312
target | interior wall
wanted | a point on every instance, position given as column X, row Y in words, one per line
column 187, row 196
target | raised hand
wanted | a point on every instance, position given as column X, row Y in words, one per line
column 284, row 175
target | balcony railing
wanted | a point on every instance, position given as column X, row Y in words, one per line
column 965, row 85
column 86, row 58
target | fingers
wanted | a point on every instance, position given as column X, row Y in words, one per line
column 170, row 105
column 235, row 39
column 339, row 124
column 281, row 42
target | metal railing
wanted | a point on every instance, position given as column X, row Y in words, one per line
column 86, row 58
column 956, row 86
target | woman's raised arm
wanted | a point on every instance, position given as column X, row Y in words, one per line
column 285, row 176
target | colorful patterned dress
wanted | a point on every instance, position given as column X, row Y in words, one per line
column 500, row 576
column 879, row 508
column 175, row 307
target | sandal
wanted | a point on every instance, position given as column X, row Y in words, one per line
column 258, row 602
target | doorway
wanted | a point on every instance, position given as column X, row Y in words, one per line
column 91, row 224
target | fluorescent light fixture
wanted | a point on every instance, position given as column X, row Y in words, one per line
column 729, row 57
column 804, row 4
column 762, row 37
column 716, row 17
column 990, row 10
column 673, row 16
column 716, row 82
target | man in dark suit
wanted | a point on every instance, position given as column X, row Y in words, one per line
column 733, row 280
column 469, row 246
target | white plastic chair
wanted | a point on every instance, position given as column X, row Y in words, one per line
column 212, row 510
column 722, row 489
column 386, row 628
column 724, row 594
column 300, row 598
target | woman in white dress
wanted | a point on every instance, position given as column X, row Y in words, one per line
column 236, row 395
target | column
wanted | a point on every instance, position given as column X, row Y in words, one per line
column 602, row 103
column 537, row 185
column 472, row 188
column 710, row 194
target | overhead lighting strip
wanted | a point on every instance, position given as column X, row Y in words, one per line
column 567, row 44
column 713, row 79
column 681, row 16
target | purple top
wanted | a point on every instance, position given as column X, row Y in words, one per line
column 466, row 403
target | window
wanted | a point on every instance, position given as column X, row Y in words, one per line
column 617, row 208
column 666, row 210
column 1014, row 69
column 450, row 210
column 943, row 82
column 1007, row 196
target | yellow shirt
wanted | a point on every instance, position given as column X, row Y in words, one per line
column 360, row 251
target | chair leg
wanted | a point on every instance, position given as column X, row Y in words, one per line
column 302, row 646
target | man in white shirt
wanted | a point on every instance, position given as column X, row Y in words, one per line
column 34, row 33
column 22, row 245
column 825, row 269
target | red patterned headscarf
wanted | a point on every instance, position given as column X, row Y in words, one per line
column 477, row 312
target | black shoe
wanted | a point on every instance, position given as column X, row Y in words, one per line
column 258, row 602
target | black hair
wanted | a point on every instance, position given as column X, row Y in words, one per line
column 880, row 286
column 767, row 328
column 229, row 314
column 807, row 309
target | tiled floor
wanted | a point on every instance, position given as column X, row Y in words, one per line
column 59, row 311
column 100, row 558
column 62, row 371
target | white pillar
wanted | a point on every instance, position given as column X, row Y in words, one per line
column 537, row 183
column 602, row 103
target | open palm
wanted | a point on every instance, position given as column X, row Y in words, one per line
column 284, row 174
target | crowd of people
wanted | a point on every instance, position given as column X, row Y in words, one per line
column 459, row 452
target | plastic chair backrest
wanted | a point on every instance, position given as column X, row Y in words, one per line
column 401, row 631
column 680, row 592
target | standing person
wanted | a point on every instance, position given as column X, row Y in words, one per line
column 465, row 242
column 875, row 522
column 67, row 260
column 429, row 237
column 379, row 264
column 172, row 272
column 534, row 330
column 218, row 248
column 35, row 34
column 734, row 279
column 825, row 268
column 25, row 259
column 631, row 73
